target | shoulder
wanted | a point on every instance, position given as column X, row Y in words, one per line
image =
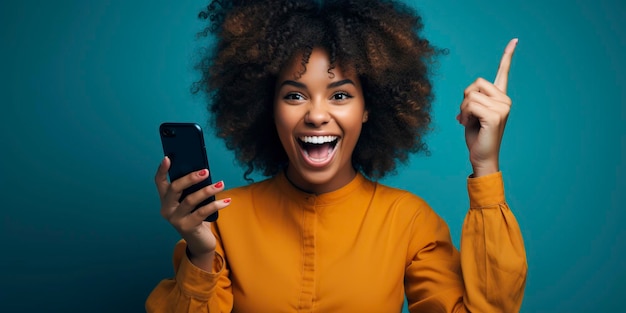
column 413, row 214
column 402, row 202
column 397, row 196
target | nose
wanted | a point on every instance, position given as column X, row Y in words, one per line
column 317, row 114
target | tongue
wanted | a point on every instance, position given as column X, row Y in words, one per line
column 318, row 152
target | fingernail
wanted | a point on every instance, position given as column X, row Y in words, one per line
column 219, row 184
column 202, row 173
column 227, row 200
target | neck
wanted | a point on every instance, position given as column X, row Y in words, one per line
column 334, row 183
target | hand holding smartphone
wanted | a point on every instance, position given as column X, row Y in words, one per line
column 183, row 144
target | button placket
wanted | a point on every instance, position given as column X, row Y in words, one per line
column 308, row 257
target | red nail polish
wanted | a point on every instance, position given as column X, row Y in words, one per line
column 219, row 184
column 227, row 200
column 202, row 172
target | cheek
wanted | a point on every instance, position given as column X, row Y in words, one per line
column 288, row 116
column 280, row 119
column 353, row 119
column 284, row 122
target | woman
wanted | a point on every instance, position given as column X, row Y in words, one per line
column 323, row 98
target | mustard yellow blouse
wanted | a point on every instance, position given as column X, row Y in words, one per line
column 361, row 248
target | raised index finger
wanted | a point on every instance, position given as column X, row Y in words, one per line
column 502, row 77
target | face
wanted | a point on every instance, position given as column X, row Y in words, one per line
column 319, row 116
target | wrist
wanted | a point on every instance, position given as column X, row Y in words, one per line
column 203, row 261
column 485, row 170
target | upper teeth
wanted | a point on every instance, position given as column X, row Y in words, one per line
column 318, row 140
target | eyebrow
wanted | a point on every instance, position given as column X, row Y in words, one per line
column 340, row 83
column 303, row 86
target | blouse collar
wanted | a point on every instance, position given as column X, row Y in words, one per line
column 358, row 182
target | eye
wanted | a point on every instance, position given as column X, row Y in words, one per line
column 341, row 96
column 293, row 96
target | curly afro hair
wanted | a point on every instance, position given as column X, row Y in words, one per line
column 378, row 39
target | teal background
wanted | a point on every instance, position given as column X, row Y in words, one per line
column 86, row 84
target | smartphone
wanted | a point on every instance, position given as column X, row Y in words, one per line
column 183, row 143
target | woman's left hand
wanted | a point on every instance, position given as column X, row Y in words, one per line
column 484, row 111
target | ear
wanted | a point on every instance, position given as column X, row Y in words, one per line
column 365, row 116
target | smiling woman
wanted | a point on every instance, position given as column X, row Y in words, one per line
column 323, row 99
column 318, row 119
column 390, row 62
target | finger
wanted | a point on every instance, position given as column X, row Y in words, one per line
column 160, row 178
column 189, row 180
column 502, row 76
column 192, row 200
column 191, row 221
column 489, row 102
column 483, row 86
column 203, row 212
column 476, row 97
column 478, row 112
column 479, row 98
column 176, row 188
column 472, row 113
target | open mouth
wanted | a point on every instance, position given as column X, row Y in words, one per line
column 318, row 148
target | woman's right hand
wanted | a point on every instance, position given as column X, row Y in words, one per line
column 190, row 225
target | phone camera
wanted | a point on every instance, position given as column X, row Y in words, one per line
column 168, row 132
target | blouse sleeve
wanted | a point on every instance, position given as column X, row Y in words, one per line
column 492, row 250
column 193, row 289
column 490, row 273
